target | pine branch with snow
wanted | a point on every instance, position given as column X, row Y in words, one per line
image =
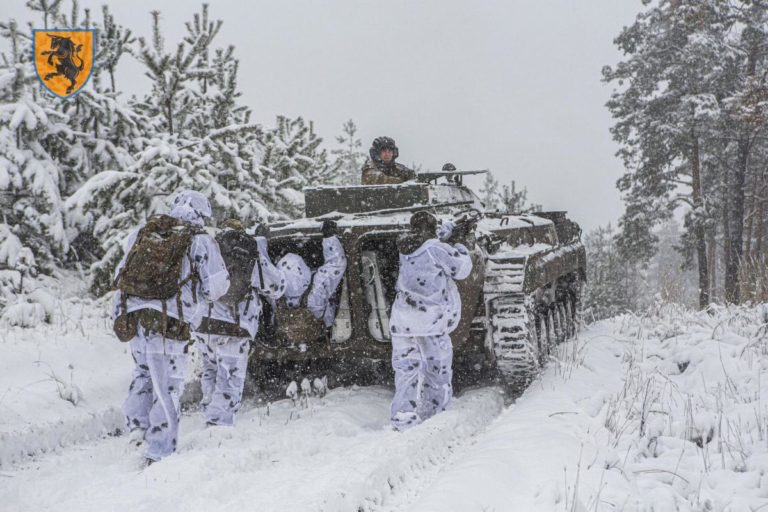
column 349, row 158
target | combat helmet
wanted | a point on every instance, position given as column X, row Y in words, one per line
column 380, row 143
column 423, row 221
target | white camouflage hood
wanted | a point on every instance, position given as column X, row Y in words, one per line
column 191, row 206
column 297, row 277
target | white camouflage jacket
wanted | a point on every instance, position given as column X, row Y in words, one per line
column 428, row 301
column 325, row 282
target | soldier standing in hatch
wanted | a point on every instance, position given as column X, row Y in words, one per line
column 381, row 168
column 426, row 310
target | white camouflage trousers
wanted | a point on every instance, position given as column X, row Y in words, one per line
column 225, row 362
column 423, row 376
column 153, row 402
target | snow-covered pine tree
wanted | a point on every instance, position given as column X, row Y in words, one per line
column 745, row 123
column 603, row 291
column 667, row 106
column 231, row 141
column 196, row 96
column 513, row 201
column 31, row 181
column 114, row 40
column 349, row 158
column 668, row 278
column 174, row 75
column 109, row 133
column 293, row 159
column 49, row 10
column 506, row 199
column 489, row 194
column 197, row 137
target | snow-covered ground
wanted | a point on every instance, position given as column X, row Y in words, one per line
column 659, row 413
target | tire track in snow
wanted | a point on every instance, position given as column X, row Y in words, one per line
column 392, row 475
column 90, row 425
column 337, row 454
column 39, row 439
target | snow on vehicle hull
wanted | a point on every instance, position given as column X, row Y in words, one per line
column 520, row 299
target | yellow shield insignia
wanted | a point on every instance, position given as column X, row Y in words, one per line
column 64, row 59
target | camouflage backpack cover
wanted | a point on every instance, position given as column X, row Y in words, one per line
column 240, row 252
column 153, row 271
column 298, row 325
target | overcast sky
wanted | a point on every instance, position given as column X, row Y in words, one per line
column 513, row 86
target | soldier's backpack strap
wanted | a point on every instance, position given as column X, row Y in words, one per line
column 258, row 263
column 253, row 294
column 305, row 295
column 192, row 278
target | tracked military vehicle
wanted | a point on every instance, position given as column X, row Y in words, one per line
column 520, row 299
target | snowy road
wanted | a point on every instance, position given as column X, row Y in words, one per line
column 637, row 414
column 337, row 454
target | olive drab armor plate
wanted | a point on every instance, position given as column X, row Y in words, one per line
column 64, row 59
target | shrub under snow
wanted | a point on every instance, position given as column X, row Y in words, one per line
column 689, row 429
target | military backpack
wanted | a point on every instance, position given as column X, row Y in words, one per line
column 153, row 270
column 240, row 252
column 299, row 324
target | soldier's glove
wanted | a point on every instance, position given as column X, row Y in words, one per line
column 261, row 229
column 464, row 228
column 445, row 230
column 330, row 228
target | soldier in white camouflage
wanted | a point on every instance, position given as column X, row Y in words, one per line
column 427, row 309
column 159, row 330
column 381, row 168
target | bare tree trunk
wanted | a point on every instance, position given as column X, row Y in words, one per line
column 760, row 192
column 758, row 255
column 736, row 212
column 726, row 227
column 750, row 200
column 712, row 262
column 699, row 231
column 112, row 77
column 169, row 115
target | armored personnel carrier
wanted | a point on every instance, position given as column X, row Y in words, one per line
column 521, row 298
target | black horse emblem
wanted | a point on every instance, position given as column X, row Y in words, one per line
column 65, row 52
